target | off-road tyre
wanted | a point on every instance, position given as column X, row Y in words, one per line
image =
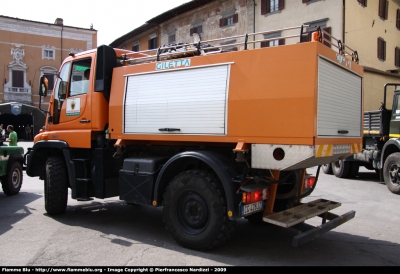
column 195, row 211
column 354, row 167
column 341, row 168
column 12, row 181
column 327, row 169
column 55, row 186
column 391, row 171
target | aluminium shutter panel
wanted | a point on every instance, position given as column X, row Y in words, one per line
column 193, row 100
column 339, row 97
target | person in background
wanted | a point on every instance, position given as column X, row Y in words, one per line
column 86, row 74
column 28, row 132
column 2, row 133
column 12, row 137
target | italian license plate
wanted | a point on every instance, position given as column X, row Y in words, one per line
column 251, row 208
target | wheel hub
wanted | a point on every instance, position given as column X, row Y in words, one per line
column 193, row 212
column 16, row 178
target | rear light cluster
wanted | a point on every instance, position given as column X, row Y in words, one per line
column 255, row 196
column 309, row 182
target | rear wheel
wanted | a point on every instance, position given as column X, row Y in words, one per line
column 327, row 168
column 194, row 211
column 55, row 186
column 391, row 173
column 354, row 167
column 12, row 181
column 341, row 168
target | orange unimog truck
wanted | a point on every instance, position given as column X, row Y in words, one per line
column 210, row 135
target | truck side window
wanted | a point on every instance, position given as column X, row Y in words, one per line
column 80, row 77
column 396, row 105
column 62, row 84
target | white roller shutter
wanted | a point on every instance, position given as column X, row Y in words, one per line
column 192, row 100
column 339, row 101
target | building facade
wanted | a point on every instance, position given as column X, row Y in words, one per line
column 193, row 21
column 369, row 27
column 373, row 29
column 30, row 49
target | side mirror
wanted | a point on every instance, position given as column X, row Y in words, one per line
column 43, row 86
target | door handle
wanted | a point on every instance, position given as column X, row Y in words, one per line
column 169, row 129
column 343, row 131
column 85, row 121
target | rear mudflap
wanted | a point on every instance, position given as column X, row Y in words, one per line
column 296, row 216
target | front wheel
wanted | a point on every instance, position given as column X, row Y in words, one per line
column 55, row 186
column 195, row 211
column 391, row 173
column 12, row 181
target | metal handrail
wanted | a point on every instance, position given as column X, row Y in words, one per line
column 167, row 52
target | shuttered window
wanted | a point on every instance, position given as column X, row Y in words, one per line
column 197, row 29
column 17, row 79
column 268, row 6
column 381, row 49
column 230, row 20
column 398, row 19
column 279, row 42
column 363, row 2
column 383, row 9
column 327, row 37
column 171, row 38
column 135, row 46
column 397, row 57
column 50, row 79
column 153, row 43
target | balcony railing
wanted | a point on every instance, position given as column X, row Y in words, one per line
column 19, row 90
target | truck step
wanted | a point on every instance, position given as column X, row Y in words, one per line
column 299, row 214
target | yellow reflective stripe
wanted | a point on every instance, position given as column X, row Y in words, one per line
column 329, row 150
column 323, row 150
column 394, row 135
column 319, row 151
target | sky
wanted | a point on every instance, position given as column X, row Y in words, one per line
column 111, row 19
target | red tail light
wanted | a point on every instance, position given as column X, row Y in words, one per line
column 309, row 182
column 254, row 196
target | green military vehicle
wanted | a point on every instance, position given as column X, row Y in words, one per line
column 11, row 162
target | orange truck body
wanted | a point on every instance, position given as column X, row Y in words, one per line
column 272, row 111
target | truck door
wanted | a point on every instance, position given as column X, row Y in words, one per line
column 395, row 121
column 71, row 95
column 75, row 106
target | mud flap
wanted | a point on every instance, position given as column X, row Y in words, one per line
column 296, row 216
